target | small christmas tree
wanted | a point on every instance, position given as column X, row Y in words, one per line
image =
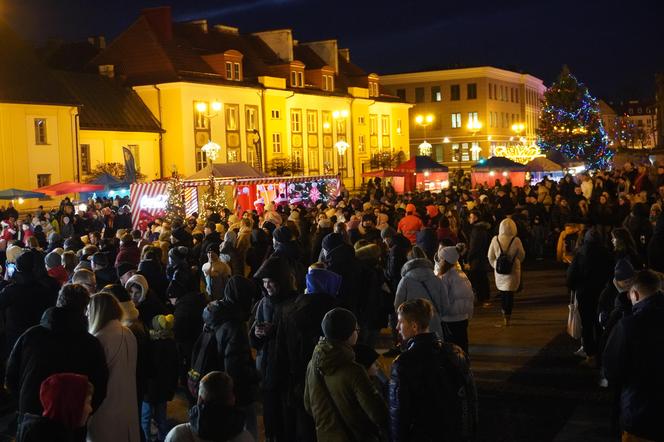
column 214, row 198
column 570, row 123
column 175, row 203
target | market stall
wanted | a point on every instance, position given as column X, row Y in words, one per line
column 69, row 188
column 397, row 179
column 423, row 173
column 541, row 167
column 498, row 170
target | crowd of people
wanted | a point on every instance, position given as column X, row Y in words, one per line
column 285, row 307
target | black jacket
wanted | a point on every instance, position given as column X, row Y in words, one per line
column 24, row 302
column 633, row 359
column 155, row 275
column 59, row 344
column 396, row 258
column 151, row 307
column 162, row 370
column 106, row 276
column 656, row 246
column 422, row 406
column 590, row 270
column 342, row 261
column 188, row 314
column 42, row 429
column 478, row 246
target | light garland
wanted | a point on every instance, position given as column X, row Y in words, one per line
column 520, row 153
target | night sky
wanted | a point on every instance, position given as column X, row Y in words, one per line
column 614, row 46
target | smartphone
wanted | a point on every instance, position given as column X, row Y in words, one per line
column 11, row 268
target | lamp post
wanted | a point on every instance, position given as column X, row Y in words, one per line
column 341, row 145
column 211, row 149
column 425, row 147
column 473, row 127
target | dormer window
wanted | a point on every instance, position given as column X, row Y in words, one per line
column 227, row 64
column 328, row 82
column 233, row 71
column 373, row 89
column 297, row 78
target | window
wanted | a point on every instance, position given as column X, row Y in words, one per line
column 328, row 159
column 455, row 151
column 516, row 95
column 43, row 179
column 361, row 143
column 399, row 126
column 471, row 91
column 456, row 120
column 385, row 124
column 276, row 143
column 313, row 159
column 300, row 79
column 328, row 82
column 455, row 92
column 327, row 122
column 490, row 91
column 293, row 79
column 341, row 126
column 296, row 120
column 276, row 114
column 373, row 89
column 136, row 153
column 297, row 159
column 229, row 70
column 200, row 119
column 435, row 93
column 232, row 155
column 312, row 121
column 512, row 95
column 465, row 152
column 373, row 125
column 236, row 73
column 40, row 131
column 201, row 159
column 419, row 95
column 360, row 120
column 401, row 93
column 231, row 117
column 85, row 158
column 475, row 151
column 473, row 119
column 251, row 113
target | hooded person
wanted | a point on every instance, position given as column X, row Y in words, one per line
column 25, row 299
column 153, row 270
column 227, row 318
column 215, row 415
column 67, row 402
column 410, row 224
column 340, row 259
column 55, row 269
column 211, row 237
column 271, row 312
column 286, row 247
column 297, row 339
column 418, row 280
column 146, row 301
column 178, row 263
column 229, row 254
column 338, row 393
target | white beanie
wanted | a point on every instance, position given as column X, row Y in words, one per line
column 449, row 254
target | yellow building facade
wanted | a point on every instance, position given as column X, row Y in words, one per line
column 474, row 112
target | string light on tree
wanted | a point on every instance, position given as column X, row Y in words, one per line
column 214, row 198
column 175, row 203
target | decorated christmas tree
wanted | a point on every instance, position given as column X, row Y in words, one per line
column 175, row 203
column 570, row 123
column 214, row 198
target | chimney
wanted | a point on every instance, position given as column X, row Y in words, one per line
column 160, row 21
column 98, row 41
column 107, row 70
column 280, row 41
column 327, row 51
column 345, row 54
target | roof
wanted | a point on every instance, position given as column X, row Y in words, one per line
column 23, row 78
column 227, row 170
column 421, row 163
column 106, row 105
column 500, row 163
column 542, row 164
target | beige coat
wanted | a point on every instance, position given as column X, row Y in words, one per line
column 116, row 420
column 507, row 231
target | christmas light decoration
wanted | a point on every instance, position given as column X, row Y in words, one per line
column 175, row 203
column 214, row 198
column 570, row 123
column 520, row 153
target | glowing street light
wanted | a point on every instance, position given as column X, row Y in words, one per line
column 425, row 147
column 211, row 150
column 341, row 146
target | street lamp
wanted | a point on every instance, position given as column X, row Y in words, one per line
column 425, row 147
column 474, row 126
column 341, row 146
column 211, row 149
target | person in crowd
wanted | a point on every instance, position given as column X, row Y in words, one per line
column 633, row 362
column 128, row 251
column 86, row 278
column 457, row 298
column 338, row 393
column 146, row 301
column 418, row 280
column 476, row 256
column 211, row 237
column 54, row 268
column 271, row 313
column 117, row 417
column 421, row 406
column 397, row 255
column 152, row 269
column 67, row 402
column 340, row 258
column 59, row 344
column 588, row 274
column 228, row 319
column 216, row 273
column 105, row 274
column 229, row 254
column 215, row 417
column 410, row 224
column 506, row 249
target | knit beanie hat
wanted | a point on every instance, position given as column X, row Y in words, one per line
column 339, row 324
column 449, row 254
column 332, row 241
column 282, row 234
column 52, row 260
column 63, row 396
column 365, row 355
column 624, row 270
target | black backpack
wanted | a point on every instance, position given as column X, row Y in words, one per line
column 204, row 359
column 504, row 263
column 460, row 421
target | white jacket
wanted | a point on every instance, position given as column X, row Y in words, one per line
column 507, row 231
column 459, row 294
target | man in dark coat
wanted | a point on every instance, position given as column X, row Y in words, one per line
column 397, row 255
column 478, row 247
column 656, row 246
column 340, row 259
column 633, row 360
column 424, row 399
column 59, row 344
column 105, row 274
column 27, row 297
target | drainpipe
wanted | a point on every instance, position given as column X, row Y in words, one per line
column 161, row 133
column 77, row 172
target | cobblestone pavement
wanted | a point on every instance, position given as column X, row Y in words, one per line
column 531, row 386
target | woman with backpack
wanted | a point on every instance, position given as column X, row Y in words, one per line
column 505, row 256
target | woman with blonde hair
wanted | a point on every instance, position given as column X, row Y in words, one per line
column 117, row 418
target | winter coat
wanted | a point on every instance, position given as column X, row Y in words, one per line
column 396, row 258
column 457, row 295
column 317, row 241
column 59, row 274
column 590, row 270
column 372, row 306
column 419, row 281
column 507, row 231
column 418, row 403
column 212, row 238
column 128, row 253
column 117, row 417
column 233, row 260
column 59, row 344
column 409, row 226
column 24, row 302
column 258, row 251
column 211, row 423
column 155, row 275
column 656, row 246
column 634, row 361
column 188, row 312
column 161, row 369
column 42, row 429
column 335, row 380
column 478, row 246
column 428, row 241
column 342, row 261
column 106, row 276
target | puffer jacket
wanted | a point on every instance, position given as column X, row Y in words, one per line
column 457, row 296
column 396, row 258
column 507, row 231
column 419, row 281
column 334, row 376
